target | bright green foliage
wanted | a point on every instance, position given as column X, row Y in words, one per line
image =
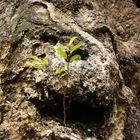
column 45, row 61
column 62, row 52
column 62, row 71
column 39, row 63
column 77, row 46
column 38, row 67
column 66, row 52
column 73, row 58
column 58, row 70
column 72, row 40
column 64, row 47
column 36, row 59
column 66, row 67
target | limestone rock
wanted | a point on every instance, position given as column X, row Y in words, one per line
column 103, row 86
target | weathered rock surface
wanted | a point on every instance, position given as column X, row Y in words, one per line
column 103, row 86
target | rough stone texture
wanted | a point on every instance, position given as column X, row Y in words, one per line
column 105, row 82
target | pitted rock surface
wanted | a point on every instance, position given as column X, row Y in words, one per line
column 106, row 78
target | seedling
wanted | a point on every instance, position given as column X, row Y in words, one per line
column 39, row 63
column 67, row 53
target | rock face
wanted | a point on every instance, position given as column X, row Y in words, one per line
column 103, row 89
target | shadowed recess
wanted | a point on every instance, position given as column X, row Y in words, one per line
column 137, row 2
column 49, row 38
column 77, row 112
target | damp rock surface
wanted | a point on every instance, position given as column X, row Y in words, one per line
column 103, row 88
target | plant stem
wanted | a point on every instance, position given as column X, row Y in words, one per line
column 64, row 108
column 64, row 96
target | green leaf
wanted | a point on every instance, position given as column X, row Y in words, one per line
column 45, row 61
column 64, row 47
column 73, row 58
column 35, row 58
column 38, row 67
column 62, row 53
column 58, row 70
column 65, row 67
column 80, row 44
column 64, row 74
column 72, row 40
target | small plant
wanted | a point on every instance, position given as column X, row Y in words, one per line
column 67, row 52
column 39, row 63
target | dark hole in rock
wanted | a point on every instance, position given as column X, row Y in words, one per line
column 78, row 114
column 34, row 47
column 89, row 6
column 137, row 2
column 40, row 4
column 42, row 55
column 15, row 44
column 49, row 38
column 137, row 59
column 66, row 5
column 49, row 107
column 83, row 53
column 85, row 114
column 75, row 7
column 7, row 75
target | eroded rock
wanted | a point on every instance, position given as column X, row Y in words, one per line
column 31, row 98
